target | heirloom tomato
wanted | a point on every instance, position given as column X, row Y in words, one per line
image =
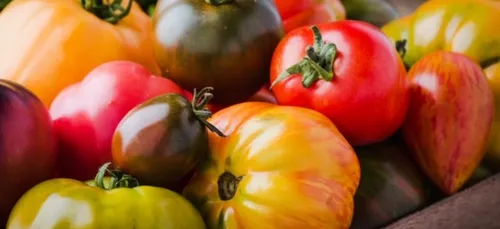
column 309, row 12
column 462, row 26
column 49, row 44
column 225, row 44
column 449, row 119
column 27, row 144
column 108, row 202
column 161, row 140
column 391, row 187
column 278, row 167
column 348, row 71
column 86, row 114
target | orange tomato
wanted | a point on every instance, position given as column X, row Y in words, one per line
column 279, row 167
column 49, row 44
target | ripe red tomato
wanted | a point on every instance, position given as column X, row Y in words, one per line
column 299, row 13
column 86, row 114
column 351, row 72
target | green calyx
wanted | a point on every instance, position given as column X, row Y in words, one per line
column 317, row 64
column 199, row 103
column 218, row 2
column 118, row 178
column 111, row 12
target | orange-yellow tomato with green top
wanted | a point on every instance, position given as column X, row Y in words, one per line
column 279, row 167
column 470, row 27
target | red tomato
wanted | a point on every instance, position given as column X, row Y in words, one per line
column 299, row 13
column 86, row 114
column 356, row 78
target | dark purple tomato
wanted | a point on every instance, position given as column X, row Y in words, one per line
column 27, row 144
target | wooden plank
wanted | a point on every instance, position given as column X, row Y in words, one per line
column 476, row 207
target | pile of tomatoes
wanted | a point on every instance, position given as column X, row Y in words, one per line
column 244, row 114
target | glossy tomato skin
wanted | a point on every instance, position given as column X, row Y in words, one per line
column 450, row 117
column 367, row 98
column 278, row 167
column 309, row 12
column 53, row 44
column 86, row 114
column 462, row 26
column 160, row 141
column 27, row 144
column 65, row 203
column 227, row 47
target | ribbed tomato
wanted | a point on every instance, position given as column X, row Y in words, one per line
column 278, row 167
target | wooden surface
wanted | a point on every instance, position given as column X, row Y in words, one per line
column 475, row 208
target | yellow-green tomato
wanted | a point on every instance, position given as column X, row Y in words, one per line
column 71, row 204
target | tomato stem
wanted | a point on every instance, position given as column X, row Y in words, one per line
column 218, row 2
column 4, row 3
column 199, row 103
column 317, row 64
column 118, row 178
column 228, row 185
column 111, row 12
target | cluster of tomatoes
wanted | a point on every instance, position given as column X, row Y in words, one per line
column 220, row 113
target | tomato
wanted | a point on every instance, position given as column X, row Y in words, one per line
column 86, row 114
column 278, row 167
column 27, row 144
column 66, row 203
column 450, row 117
column 50, row 44
column 161, row 140
column 462, row 26
column 224, row 44
column 376, row 12
column 350, row 72
column 309, row 12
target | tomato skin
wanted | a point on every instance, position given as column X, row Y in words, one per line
column 369, row 78
column 53, row 43
column 309, row 12
column 295, row 170
column 27, row 144
column 65, row 203
column 227, row 47
column 86, row 114
column 160, row 141
column 450, row 117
